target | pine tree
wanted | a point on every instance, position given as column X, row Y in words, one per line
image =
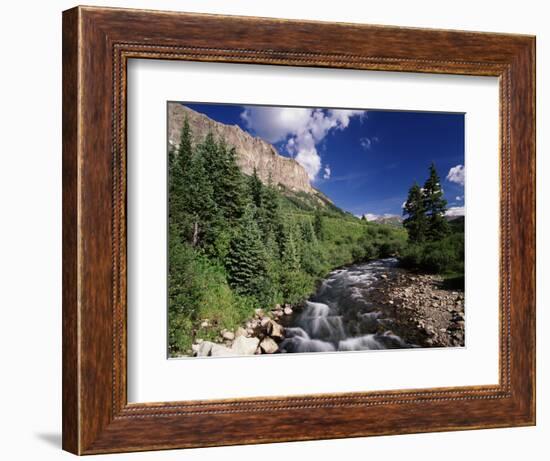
column 318, row 225
column 291, row 251
column 271, row 214
column 199, row 204
column 415, row 222
column 179, row 160
column 255, row 187
column 308, row 233
column 232, row 194
column 185, row 151
column 435, row 207
column 246, row 261
column 295, row 282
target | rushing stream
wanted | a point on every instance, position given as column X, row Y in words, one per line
column 339, row 316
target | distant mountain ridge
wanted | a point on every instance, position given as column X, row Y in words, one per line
column 390, row 219
column 252, row 152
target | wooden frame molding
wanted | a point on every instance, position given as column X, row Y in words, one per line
column 97, row 44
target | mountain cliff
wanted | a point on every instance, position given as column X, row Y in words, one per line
column 252, row 152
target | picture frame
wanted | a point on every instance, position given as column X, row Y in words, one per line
column 97, row 45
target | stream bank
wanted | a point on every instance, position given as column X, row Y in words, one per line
column 366, row 306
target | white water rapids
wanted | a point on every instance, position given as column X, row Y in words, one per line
column 339, row 316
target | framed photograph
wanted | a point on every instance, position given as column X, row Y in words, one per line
column 270, row 234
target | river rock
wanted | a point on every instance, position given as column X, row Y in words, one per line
column 275, row 330
column 228, row 335
column 205, row 348
column 221, row 351
column 245, row 346
column 241, row 332
column 268, row 345
column 287, row 310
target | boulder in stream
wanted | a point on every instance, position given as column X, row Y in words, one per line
column 269, row 346
column 245, row 346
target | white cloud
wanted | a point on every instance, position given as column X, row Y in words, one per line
column 456, row 174
column 459, row 197
column 455, row 211
column 327, row 172
column 366, row 143
column 302, row 129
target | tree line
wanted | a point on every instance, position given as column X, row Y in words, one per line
column 433, row 244
column 235, row 220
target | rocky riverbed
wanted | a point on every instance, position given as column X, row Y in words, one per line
column 374, row 305
column 425, row 313
column 260, row 335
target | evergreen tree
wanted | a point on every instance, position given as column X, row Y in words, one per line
column 184, row 151
column 291, row 275
column 199, row 204
column 318, row 225
column 308, row 233
column 232, row 194
column 415, row 222
column 226, row 194
column 255, row 187
column 213, row 163
column 271, row 216
column 435, row 207
column 246, row 261
column 291, row 253
column 179, row 160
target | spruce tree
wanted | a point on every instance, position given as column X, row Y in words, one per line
column 185, row 151
column 271, row 215
column 232, row 194
column 318, row 225
column 308, row 233
column 435, row 207
column 291, row 250
column 415, row 222
column 255, row 187
column 246, row 262
column 199, row 204
column 179, row 160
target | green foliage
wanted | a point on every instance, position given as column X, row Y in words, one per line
column 255, row 189
column 198, row 291
column 246, row 261
column 435, row 206
column 441, row 256
column 434, row 244
column 318, row 225
column 425, row 210
column 414, row 208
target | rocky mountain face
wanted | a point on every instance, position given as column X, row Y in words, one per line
column 252, row 152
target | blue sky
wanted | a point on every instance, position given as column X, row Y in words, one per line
column 364, row 161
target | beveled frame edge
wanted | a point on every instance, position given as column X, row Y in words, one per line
column 97, row 42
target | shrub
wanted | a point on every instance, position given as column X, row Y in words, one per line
column 442, row 256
